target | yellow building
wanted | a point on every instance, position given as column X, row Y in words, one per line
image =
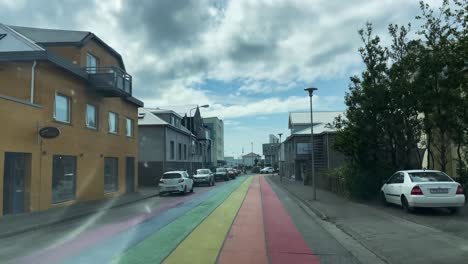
column 73, row 83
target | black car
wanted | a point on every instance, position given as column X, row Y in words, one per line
column 221, row 173
column 231, row 173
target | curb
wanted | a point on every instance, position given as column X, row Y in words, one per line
column 307, row 203
column 66, row 219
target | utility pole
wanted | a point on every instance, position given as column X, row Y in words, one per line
column 311, row 93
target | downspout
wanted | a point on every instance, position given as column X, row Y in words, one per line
column 33, row 74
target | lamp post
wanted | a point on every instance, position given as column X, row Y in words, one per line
column 252, row 155
column 279, row 153
column 193, row 130
column 311, row 90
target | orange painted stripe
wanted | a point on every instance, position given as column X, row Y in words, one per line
column 245, row 242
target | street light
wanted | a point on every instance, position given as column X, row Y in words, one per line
column 311, row 90
column 279, row 153
column 193, row 130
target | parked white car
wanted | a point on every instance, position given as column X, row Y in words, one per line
column 267, row 170
column 423, row 188
column 175, row 181
column 204, row 176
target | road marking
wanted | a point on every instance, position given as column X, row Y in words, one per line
column 284, row 242
column 160, row 244
column 246, row 240
column 205, row 242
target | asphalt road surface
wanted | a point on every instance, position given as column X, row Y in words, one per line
column 246, row 220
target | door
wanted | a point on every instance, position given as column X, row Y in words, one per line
column 390, row 188
column 15, row 176
column 398, row 186
column 130, row 174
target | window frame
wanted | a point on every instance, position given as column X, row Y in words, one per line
column 116, row 176
column 185, row 151
column 96, row 59
column 179, row 151
column 131, row 127
column 73, row 196
column 116, row 123
column 68, row 107
column 172, row 150
column 96, row 117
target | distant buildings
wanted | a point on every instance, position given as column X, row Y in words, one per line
column 249, row 159
column 295, row 153
column 232, row 162
column 216, row 127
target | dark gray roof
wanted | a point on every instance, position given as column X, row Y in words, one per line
column 40, row 35
column 51, row 37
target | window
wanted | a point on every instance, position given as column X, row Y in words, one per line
column 91, row 63
column 62, row 108
column 172, row 150
column 172, row 120
column 91, row 116
column 172, row 175
column 129, row 126
column 113, row 123
column 185, row 152
column 110, row 174
column 429, row 176
column 63, row 178
column 180, row 152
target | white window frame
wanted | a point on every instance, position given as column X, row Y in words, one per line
column 68, row 108
column 95, row 116
column 131, row 127
column 89, row 58
column 116, row 123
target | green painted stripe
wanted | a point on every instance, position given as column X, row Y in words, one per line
column 204, row 243
column 159, row 245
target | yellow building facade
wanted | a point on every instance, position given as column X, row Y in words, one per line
column 73, row 82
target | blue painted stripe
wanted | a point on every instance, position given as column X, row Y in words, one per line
column 105, row 251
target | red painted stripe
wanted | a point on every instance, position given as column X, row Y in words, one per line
column 284, row 242
column 245, row 242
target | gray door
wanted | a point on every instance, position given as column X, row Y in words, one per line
column 130, row 174
column 15, row 174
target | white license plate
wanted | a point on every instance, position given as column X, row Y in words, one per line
column 439, row 190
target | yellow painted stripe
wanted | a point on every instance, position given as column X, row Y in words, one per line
column 204, row 243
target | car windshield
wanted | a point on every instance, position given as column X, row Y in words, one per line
column 203, row 171
column 172, row 176
column 429, row 176
column 220, row 170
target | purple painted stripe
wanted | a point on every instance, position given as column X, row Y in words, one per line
column 91, row 237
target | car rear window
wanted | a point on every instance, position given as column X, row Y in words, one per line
column 203, row 171
column 171, row 176
column 220, row 169
column 429, row 177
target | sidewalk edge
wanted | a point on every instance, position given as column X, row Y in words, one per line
column 310, row 205
column 66, row 219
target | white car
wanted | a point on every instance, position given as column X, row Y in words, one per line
column 175, row 181
column 423, row 188
column 267, row 170
column 204, row 176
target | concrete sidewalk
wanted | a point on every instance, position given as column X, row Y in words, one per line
column 11, row 225
column 393, row 239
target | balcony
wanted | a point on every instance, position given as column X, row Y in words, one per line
column 110, row 81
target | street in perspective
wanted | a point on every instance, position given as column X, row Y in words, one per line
column 234, row 132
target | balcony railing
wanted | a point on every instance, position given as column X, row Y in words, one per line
column 110, row 81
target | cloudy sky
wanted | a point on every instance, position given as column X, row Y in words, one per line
column 248, row 59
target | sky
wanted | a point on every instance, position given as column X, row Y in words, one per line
column 250, row 60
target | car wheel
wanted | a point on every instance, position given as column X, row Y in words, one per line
column 405, row 205
column 191, row 190
column 454, row 210
column 383, row 200
column 185, row 190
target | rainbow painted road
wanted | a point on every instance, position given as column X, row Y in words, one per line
column 242, row 221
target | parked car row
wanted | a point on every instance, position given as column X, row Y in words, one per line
column 182, row 182
column 423, row 188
